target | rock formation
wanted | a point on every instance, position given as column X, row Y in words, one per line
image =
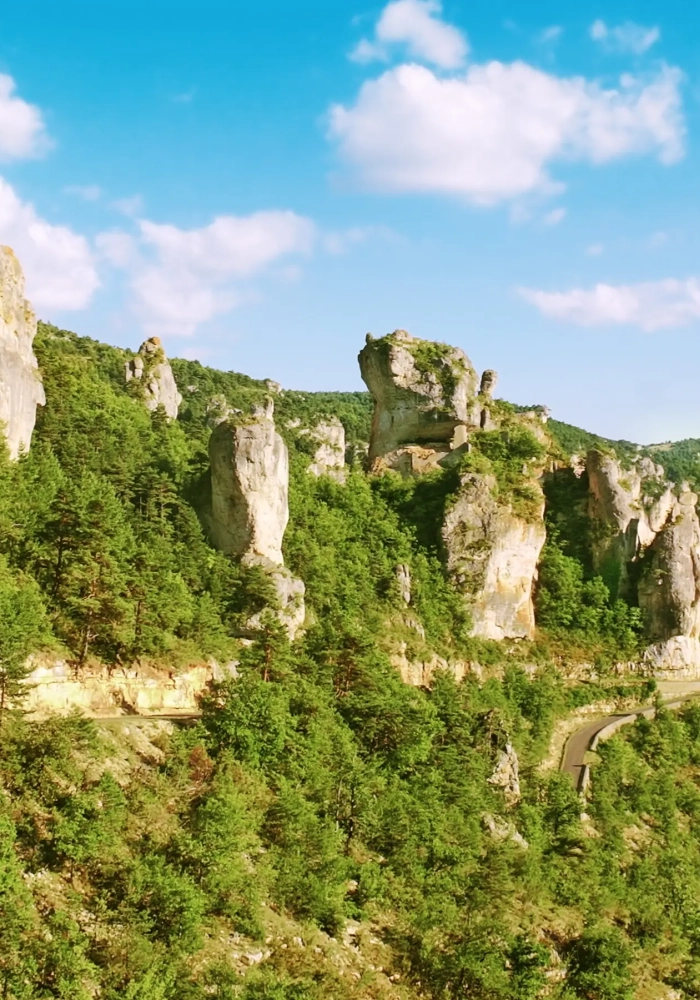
column 492, row 555
column 21, row 390
column 425, row 400
column 329, row 457
column 250, row 487
column 250, row 509
column 627, row 507
column 641, row 520
column 506, row 775
column 157, row 382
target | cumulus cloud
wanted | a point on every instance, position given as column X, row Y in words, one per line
column 416, row 25
column 22, row 130
column 491, row 133
column 651, row 305
column 181, row 278
column 58, row 263
column 627, row 37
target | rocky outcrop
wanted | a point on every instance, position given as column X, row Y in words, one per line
column 628, row 507
column 250, row 487
column 669, row 588
column 506, row 775
column 425, row 399
column 646, row 545
column 21, row 390
column 492, row 555
column 250, row 505
column 156, row 381
column 329, row 456
column 54, row 688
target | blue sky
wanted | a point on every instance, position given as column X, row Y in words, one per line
column 263, row 184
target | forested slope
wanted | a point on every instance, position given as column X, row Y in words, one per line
column 325, row 831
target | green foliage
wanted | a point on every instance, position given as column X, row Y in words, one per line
column 510, row 454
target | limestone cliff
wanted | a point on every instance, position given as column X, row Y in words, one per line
column 492, row 555
column 250, row 487
column 329, row 456
column 250, row 503
column 21, row 390
column 53, row 687
column 628, row 507
column 425, row 399
column 156, row 380
column 646, row 545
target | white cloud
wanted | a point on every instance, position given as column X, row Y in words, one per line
column 652, row 305
column 117, row 248
column 88, row 192
column 22, row 131
column 554, row 217
column 490, row 134
column 181, row 278
column 415, row 24
column 339, row 242
column 130, row 207
column 551, row 34
column 595, row 250
column 58, row 263
column 627, row 37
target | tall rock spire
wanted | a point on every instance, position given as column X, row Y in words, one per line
column 21, row 390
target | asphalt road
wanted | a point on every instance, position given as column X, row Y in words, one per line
column 583, row 740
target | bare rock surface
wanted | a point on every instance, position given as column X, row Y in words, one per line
column 492, row 555
column 506, row 775
column 21, row 390
column 250, row 505
column 628, row 507
column 424, row 393
column 329, row 457
column 250, row 487
column 158, row 385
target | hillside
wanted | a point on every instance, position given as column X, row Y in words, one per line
column 326, row 829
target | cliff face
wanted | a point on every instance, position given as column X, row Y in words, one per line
column 157, row 382
column 425, row 398
column 492, row 555
column 628, row 507
column 329, row 457
column 640, row 519
column 21, row 390
column 426, row 408
column 250, row 488
column 250, row 504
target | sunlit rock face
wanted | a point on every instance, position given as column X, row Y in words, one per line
column 425, row 397
column 156, row 380
column 250, row 504
column 250, row 487
column 329, row 456
column 492, row 555
column 21, row 390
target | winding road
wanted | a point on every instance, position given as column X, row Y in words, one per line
column 587, row 738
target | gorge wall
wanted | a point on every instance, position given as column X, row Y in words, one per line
column 428, row 402
column 250, row 503
column 21, row 390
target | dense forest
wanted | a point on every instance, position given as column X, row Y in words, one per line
column 324, row 831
